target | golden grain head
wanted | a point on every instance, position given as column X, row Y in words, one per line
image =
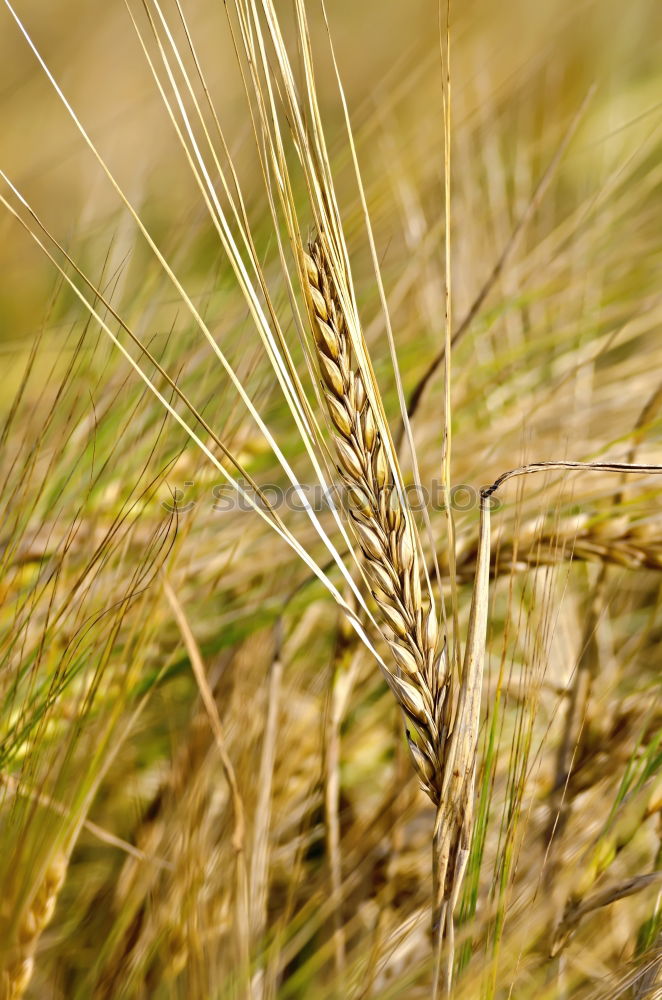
column 381, row 522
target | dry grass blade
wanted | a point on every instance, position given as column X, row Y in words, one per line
column 525, row 470
column 241, row 873
column 500, row 264
column 259, row 873
column 102, row 835
column 454, row 822
column 576, row 909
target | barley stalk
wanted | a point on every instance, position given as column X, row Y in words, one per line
column 445, row 717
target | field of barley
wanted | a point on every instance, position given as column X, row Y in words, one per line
column 331, row 536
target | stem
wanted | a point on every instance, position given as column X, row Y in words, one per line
column 524, row 470
column 441, row 981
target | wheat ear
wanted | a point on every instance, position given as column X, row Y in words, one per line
column 382, row 524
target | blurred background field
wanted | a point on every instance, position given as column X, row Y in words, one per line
column 527, row 64
column 119, row 874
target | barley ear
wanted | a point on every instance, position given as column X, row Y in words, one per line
column 18, row 964
column 380, row 520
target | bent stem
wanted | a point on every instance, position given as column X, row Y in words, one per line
column 525, row 470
